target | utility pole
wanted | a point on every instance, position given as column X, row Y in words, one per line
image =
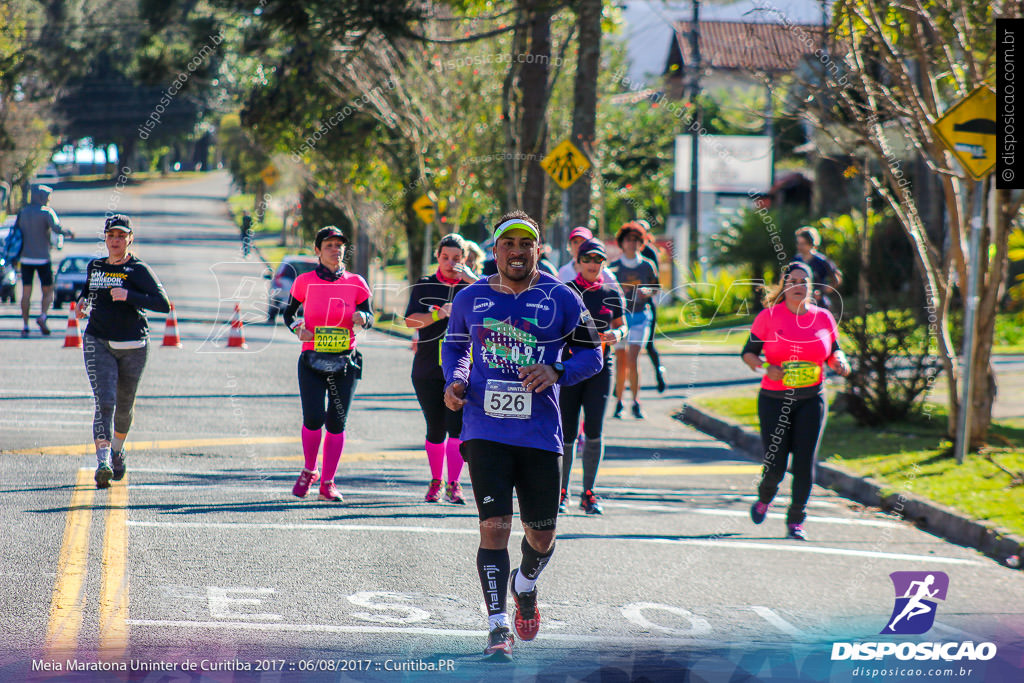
column 696, row 123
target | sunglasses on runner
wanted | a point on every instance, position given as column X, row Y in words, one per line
column 587, row 258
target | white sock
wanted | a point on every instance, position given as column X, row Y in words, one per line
column 523, row 584
column 117, row 444
column 103, row 456
column 496, row 620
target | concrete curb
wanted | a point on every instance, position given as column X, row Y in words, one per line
column 925, row 514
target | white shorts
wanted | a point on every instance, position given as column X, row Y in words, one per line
column 639, row 327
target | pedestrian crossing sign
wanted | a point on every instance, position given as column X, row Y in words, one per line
column 565, row 164
column 968, row 129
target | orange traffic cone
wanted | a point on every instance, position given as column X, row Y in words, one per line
column 73, row 338
column 237, row 338
column 171, row 336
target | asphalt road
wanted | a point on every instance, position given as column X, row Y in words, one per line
column 203, row 554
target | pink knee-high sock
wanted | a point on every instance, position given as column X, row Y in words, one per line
column 435, row 457
column 310, row 446
column 455, row 460
column 333, row 445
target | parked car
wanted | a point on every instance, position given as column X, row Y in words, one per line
column 70, row 278
column 281, row 282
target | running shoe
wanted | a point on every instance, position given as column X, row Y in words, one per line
column 499, row 640
column 329, row 492
column 453, row 493
column 103, row 475
column 527, row 619
column 305, row 480
column 796, row 532
column 758, row 511
column 117, row 460
column 637, row 413
column 24, row 332
column 590, row 504
column 563, row 501
column 41, row 321
column 434, row 492
column 618, row 411
column 659, row 374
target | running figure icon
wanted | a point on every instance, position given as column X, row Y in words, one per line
column 915, row 606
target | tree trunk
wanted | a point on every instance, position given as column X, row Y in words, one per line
column 585, row 103
column 511, row 114
column 533, row 85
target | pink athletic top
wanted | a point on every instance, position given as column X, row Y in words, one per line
column 809, row 338
column 329, row 304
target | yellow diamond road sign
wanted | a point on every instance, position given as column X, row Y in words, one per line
column 426, row 209
column 968, row 129
column 565, row 164
column 269, row 175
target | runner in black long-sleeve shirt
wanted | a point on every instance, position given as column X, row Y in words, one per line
column 116, row 340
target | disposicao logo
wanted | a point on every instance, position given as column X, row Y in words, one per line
column 916, row 592
column 913, row 614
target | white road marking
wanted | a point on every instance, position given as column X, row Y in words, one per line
column 777, row 621
column 418, row 630
column 742, row 513
column 723, row 544
column 221, row 605
column 634, row 612
column 384, row 600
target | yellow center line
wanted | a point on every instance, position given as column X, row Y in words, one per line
column 353, row 457
column 114, row 590
column 68, row 602
column 85, row 448
column 682, row 469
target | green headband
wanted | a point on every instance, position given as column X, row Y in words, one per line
column 515, row 224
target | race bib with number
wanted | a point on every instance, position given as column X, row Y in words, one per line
column 800, row 373
column 332, row 339
column 503, row 399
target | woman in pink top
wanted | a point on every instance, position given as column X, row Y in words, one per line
column 333, row 301
column 796, row 339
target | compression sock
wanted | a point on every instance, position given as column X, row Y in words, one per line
column 454, row 458
column 493, row 568
column 593, row 449
column 435, row 458
column 532, row 565
column 310, row 446
column 333, row 445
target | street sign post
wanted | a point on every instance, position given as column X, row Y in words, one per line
column 968, row 129
column 565, row 164
column 269, row 175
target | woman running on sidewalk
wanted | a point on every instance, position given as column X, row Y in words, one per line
column 333, row 302
column 604, row 300
column 796, row 339
column 118, row 291
column 430, row 304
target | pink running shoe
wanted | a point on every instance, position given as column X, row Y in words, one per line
column 329, row 492
column 434, row 492
column 305, row 480
column 453, row 493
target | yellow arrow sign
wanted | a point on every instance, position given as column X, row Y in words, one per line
column 424, row 209
column 269, row 175
column 968, row 129
column 565, row 164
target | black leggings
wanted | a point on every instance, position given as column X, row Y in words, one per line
column 651, row 350
column 315, row 387
column 590, row 395
column 790, row 426
column 441, row 421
